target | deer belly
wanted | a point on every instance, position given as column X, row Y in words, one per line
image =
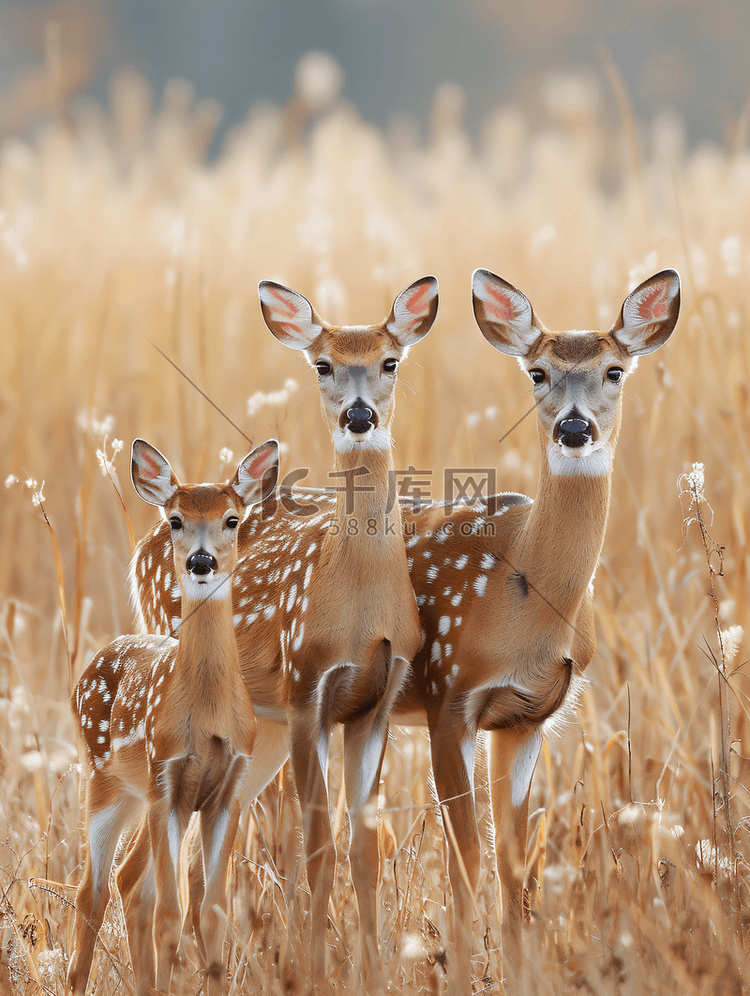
column 526, row 700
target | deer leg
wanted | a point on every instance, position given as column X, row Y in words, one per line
column 309, row 740
column 513, row 755
column 168, row 820
column 219, row 823
column 270, row 751
column 136, row 883
column 106, row 821
column 453, row 746
column 365, row 739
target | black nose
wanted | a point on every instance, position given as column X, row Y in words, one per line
column 201, row 563
column 574, row 432
column 359, row 419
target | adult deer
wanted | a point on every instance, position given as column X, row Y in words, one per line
column 326, row 618
column 507, row 612
column 349, row 622
column 169, row 725
column 503, row 587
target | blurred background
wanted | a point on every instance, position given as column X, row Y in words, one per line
column 688, row 55
column 158, row 158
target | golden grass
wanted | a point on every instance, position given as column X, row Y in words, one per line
column 115, row 235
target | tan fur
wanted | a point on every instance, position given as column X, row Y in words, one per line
column 508, row 639
column 167, row 726
column 350, row 627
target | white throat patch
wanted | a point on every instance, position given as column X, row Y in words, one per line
column 593, row 464
column 376, row 439
column 218, row 586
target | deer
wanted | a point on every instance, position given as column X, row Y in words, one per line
column 511, row 629
column 504, row 585
column 310, row 658
column 166, row 727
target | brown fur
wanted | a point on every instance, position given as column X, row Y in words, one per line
column 171, row 723
column 540, row 636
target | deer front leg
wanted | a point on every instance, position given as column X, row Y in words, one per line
column 168, row 819
column 513, row 755
column 219, row 823
column 309, row 750
column 136, row 883
column 453, row 746
column 270, row 751
column 365, row 738
column 107, row 818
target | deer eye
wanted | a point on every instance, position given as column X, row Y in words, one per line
column 232, row 522
column 389, row 365
column 175, row 523
column 537, row 376
column 323, row 367
column 614, row 374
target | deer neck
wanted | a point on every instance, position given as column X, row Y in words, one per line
column 563, row 535
column 207, row 648
column 365, row 484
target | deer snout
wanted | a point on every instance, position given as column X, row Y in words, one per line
column 201, row 563
column 574, row 431
column 359, row 418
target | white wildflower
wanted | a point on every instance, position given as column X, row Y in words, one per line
column 106, row 463
column 225, row 458
column 692, row 484
column 51, row 967
column 697, row 481
column 97, row 428
column 37, row 493
column 260, row 399
column 731, row 639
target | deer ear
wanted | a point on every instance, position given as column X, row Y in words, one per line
column 257, row 474
column 649, row 314
column 153, row 478
column 413, row 312
column 503, row 314
column 288, row 315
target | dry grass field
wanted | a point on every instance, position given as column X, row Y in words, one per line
column 116, row 237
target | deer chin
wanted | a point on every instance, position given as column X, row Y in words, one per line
column 582, row 461
column 215, row 586
column 345, row 441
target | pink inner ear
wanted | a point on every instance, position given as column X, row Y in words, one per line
column 654, row 305
column 259, row 466
column 419, row 302
column 500, row 308
column 283, row 309
column 149, row 468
